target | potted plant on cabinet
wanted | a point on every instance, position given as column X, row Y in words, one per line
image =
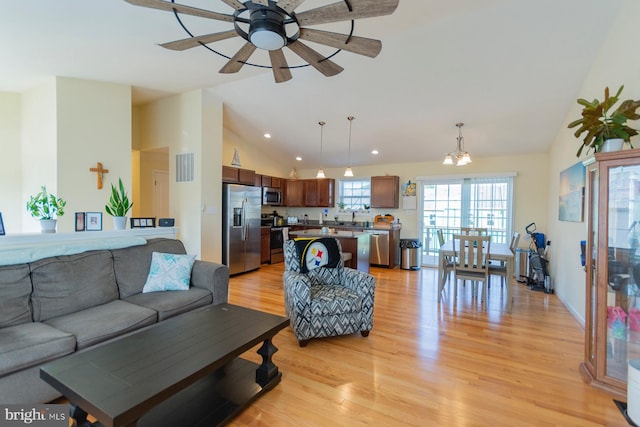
column 46, row 208
column 118, row 206
column 601, row 126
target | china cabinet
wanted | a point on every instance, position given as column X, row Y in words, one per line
column 612, row 264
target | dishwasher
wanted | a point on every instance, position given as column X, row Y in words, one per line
column 378, row 247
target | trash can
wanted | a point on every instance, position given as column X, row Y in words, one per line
column 522, row 265
column 410, row 254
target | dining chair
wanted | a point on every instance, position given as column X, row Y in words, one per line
column 448, row 261
column 501, row 268
column 473, row 231
column 472, row 262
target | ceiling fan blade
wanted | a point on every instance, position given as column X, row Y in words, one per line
column 337, row 12
column 190, row 42
column 262, row 2
column 317, row 61
column 187, row 10
column 279, row 65
column 234, row 4
column 359, row 45
column 238, row 60
column 289, row 5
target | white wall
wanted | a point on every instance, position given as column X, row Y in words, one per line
column 616, row 64
column 11, row 203
column 93, row 125
column 190, row 123
column 39, row 164
column 254, row 155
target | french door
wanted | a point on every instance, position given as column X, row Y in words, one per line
column 485, row 202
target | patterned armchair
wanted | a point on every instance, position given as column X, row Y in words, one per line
column 326, row 301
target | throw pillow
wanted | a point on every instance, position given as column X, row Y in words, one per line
column 169, row 272
column 317, row 252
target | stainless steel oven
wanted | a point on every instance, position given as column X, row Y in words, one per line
column 278, row 236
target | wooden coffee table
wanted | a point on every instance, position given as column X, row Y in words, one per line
column 184, row 371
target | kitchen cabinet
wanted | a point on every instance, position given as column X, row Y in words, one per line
column 270, row 181
column 319, row 192
column 612, row 264
column 385, row 191
column 257, row 180
column 229, row 174
column 265, row 245
column 294, row 193
column 310, row 192
column 238, row 176
column 246, row 176
column 326, row 192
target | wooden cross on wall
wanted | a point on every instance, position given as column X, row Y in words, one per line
column 100, row 171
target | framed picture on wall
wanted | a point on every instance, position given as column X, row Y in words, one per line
column 571, row 199
column 93, row 221
column 1, row 225
column 80, row 226
column 142, row 222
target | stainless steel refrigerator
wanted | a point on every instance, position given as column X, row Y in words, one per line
column 241, row 227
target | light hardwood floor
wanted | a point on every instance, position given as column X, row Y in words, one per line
column 426, row 364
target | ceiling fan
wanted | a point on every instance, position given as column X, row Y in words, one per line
column 273, row 25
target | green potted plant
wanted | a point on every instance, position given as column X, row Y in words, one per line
column 600, row 125
column 46, row 208
column 118, row 206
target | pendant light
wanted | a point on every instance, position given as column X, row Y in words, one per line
column 321, row 171
column 349, row 172
column 461, row 157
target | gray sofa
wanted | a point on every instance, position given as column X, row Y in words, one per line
column 55, row 306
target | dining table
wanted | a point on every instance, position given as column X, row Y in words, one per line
column 497, row 252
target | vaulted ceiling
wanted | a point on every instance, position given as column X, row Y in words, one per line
column 509, row 69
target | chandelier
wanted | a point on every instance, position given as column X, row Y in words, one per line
column 461, row 157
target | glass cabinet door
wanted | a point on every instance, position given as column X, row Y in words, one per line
column 622, row 273
column 591, row 260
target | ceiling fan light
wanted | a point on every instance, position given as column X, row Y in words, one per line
column 320, row 174
column 266, row 30
column 348, row 172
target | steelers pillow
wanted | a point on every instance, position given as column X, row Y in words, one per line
column 319, row 252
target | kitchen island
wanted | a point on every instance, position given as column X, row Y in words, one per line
column 354, row 242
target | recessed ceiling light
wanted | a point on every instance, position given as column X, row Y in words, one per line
column 267, row 135
column 299, row 158
column 375, row 152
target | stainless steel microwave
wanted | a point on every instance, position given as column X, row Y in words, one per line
column 271, row 196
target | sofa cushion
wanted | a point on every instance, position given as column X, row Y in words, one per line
column 131, row 265
column 103, row 322
column 172, row 303
column 70, row 283
column 31, row 344
column 15, row 288
column 330, row 300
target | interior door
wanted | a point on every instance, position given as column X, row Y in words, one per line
column 161, row 194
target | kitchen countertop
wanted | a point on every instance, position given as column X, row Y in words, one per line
column 317, row 232
column 345, row 226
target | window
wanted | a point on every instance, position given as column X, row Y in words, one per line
column 485, row 202
column 355, row 194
